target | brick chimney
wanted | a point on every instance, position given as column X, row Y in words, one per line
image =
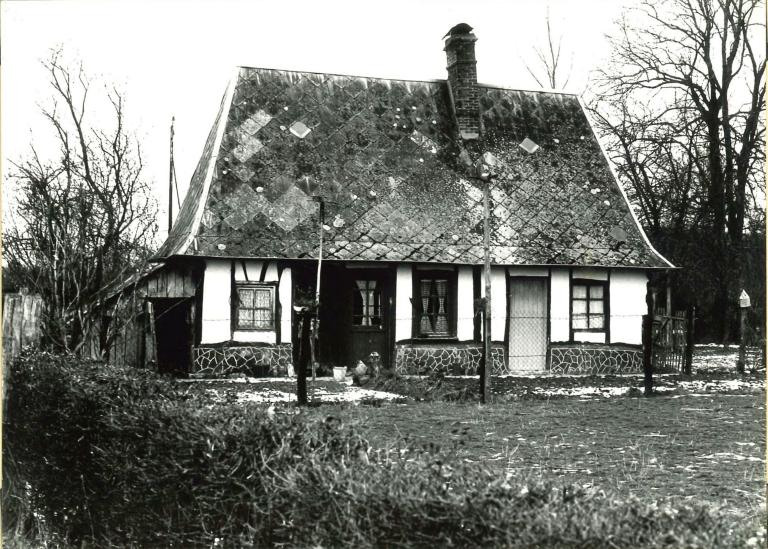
column 462, row 79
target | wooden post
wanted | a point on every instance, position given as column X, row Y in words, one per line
column 744, row 304
column 150, row 339
column 316, row 318
column 690, row 318
column 648, row 346
column 668, row 334
column 170, row 182
column 301, row 367
column 485, row 373
column 742, row 340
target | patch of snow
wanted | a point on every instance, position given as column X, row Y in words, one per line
column 582, row 391
column 348, row 394
column 267, row 395
column 243, row 379
column 721, row 385
column 354, row 394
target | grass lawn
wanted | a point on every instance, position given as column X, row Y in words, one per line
column 708, row 448
column 702, row 439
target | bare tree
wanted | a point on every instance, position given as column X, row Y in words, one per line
column 663, row 162
column 695, row 63
column 549, row 58
column 83, row 219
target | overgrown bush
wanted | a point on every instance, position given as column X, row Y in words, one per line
column 117, row 457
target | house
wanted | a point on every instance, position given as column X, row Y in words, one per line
column 388, row 165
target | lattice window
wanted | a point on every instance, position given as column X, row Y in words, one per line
column 255, row 307
column 588, row 306
column 435, row 296
column 366, row 303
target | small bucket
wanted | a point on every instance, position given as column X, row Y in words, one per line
column 340, row 373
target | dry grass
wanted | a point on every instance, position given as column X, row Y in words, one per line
column 707, row 448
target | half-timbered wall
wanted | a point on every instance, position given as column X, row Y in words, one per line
column 220, row 276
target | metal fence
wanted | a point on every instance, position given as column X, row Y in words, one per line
column 670, row 340
column 754, row 339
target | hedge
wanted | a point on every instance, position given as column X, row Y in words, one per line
column 108, row 456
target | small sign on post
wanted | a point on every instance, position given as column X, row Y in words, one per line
column 744, row 304
column 744, row 301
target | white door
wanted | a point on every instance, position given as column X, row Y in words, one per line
column 527, row 324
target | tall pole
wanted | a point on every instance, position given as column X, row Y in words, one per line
column 647, row 338
column 485, row 393
column 744, row 304
column 316, row 315
column 170, row 181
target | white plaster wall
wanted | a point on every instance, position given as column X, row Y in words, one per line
column 403, row 308
column 255, row 336
column 559, row 307
column 628, row 306
column 589, row 337
column 499, row 300
column 253, row 273
column 528, row 271
column 216, row 301
column 589, row 273
column 253, row 270
column 465, row 306
column 272, row 274
column 285, row 291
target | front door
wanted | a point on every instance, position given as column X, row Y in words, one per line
column 527, row 324
column 371, row 301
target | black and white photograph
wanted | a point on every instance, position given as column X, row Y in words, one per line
column 383, row 274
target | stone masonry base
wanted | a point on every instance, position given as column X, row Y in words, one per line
column 565, row 359
column 451, row 358
column 219, row 361
column 446, row 358
column 594, row 359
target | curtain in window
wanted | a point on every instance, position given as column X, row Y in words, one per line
column 426, row 323
column 441, row 316
column 255, row 309
column 366, row 306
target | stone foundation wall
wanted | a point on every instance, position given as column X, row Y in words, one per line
column 219, row 361
column 593, row 359
column 446, row 358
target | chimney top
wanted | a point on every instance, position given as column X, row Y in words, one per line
column 462, row 80
column 461, row 28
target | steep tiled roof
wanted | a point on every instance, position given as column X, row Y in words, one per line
column 383, row 156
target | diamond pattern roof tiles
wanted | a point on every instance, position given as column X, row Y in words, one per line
column 384, row 157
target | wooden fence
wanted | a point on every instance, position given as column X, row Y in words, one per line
column 21, row 323
column 672, row 344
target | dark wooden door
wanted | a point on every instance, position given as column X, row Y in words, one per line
column 370, row 306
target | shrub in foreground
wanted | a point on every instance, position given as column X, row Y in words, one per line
column 121, row 457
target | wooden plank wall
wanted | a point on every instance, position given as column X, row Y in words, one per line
column 167, row 282
column 21, row 323
column 133, row 346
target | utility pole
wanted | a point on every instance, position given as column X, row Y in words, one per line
column 170, row 181
column 316, row 315
column 485, row 393
column 484, row 171
column 647, row 336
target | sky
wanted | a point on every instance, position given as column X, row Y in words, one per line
column 173, row 58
